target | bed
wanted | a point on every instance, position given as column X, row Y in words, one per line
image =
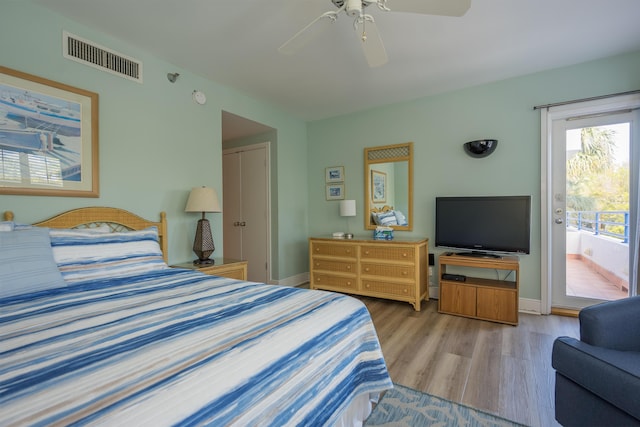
column 114, row 336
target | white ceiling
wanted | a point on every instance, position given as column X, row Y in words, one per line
column 235, row 43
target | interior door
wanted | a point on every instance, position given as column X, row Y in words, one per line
column 246, row 208
column 231, row 205
column 590, row 207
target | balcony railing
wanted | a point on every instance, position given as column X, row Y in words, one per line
column 614, row 224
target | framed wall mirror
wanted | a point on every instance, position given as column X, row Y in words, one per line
column 388, row 188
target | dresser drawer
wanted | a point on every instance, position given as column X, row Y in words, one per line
column 330, row 281
column 391, row 289
column 388, row 253
column 331, row 265
column 334, row 249
column 387, row 270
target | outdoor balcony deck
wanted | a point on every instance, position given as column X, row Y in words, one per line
column 584, row 281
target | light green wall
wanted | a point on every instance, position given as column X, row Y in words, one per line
column 155, row 142
column 439, row 125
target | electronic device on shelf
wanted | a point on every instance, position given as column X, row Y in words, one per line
column 484, row 224
column 454, row 277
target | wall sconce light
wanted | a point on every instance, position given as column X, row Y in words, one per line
column 203, row 199
column 480, row 147
column 172, row 77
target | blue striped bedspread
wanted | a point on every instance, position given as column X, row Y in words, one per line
column 177, row 347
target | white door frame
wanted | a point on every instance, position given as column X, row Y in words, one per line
column 548, row 115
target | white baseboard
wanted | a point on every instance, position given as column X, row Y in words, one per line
column 531, row 306
column 292, row 281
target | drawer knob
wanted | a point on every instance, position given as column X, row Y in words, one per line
column 405, row 290
column 366, row 252
column 317, row 264
column 367, row 286
column 366, row 269
column 404, row 273
column 349, row 267
column 404, row 254
column 347, row 251
column 348, row 283
column 317, row 249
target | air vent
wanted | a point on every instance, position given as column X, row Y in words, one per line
column 94, row 55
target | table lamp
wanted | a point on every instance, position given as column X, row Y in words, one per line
column 203, row 199
column 348, row 208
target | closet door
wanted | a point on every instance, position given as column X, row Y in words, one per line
column 231, row 205
column 246, row 208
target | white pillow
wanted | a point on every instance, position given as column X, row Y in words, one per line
column 387, row 218
column 402, row 220
column 85, row 256
column 6, row 225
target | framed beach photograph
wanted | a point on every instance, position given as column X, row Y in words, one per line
column 48, row 137
column 335, row 192
column 378, row 186
column 334, row 174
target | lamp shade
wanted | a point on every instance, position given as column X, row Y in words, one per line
column 203, row 199
column 347, row 208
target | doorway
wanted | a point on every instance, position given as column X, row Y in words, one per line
column 589, row 211
column 242, row 134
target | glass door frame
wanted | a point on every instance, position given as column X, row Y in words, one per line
column 550, row 114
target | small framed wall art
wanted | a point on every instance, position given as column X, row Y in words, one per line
column 335, row 192
column 334, row 174
column 378, row 186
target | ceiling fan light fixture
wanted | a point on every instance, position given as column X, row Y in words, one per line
column 372, row 44
column 354, row 7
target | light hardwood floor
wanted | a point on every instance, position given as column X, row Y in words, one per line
column 502, row 369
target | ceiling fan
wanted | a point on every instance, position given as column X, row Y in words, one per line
column 365, row 26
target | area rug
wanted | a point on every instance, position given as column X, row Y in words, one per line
column 403, row 406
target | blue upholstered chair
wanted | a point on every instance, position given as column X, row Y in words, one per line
column 598, row 376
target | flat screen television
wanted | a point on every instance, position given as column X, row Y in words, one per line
column 484, row 224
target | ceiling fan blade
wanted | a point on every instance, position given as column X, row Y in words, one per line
column 308, row 33
column 372, row 45
column 431, row 7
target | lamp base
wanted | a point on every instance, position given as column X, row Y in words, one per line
column 207, row 261
column 348, row 235
column 203, row 243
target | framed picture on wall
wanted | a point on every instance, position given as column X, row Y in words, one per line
column 334, row 174
column 335, row 192
column 378, row 186
column 48, row 137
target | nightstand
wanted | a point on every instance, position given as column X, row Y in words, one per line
column 231, row 268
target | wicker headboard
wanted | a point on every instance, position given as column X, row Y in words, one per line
column 117, row 219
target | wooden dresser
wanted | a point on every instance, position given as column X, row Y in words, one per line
column 392, row 269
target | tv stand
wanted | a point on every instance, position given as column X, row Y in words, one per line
column 495, row 300
column 478, row 254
